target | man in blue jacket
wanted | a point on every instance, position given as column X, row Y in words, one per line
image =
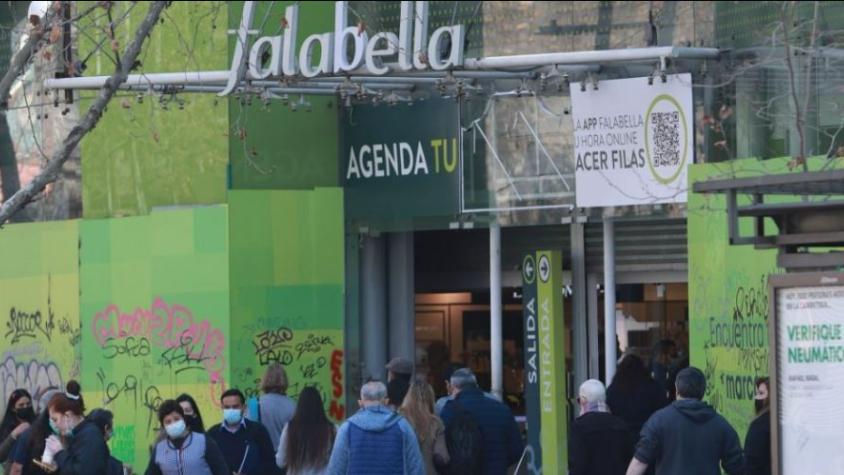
column 375, row 440
column 688, row 436
column 502, row 443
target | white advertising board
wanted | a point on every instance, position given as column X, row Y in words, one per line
column 633, row 141
column 810, row 333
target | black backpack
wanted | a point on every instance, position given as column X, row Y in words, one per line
column 465, row 443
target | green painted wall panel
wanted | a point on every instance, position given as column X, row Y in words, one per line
column 287, row 277
column 142, row 156
column 728, row 292
column 274, row 147
column 39, row 306
column 155, row 319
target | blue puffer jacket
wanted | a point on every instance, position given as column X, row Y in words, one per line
column 503, row 444
column 376, row 441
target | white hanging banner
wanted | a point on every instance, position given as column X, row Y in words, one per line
column 633, row 141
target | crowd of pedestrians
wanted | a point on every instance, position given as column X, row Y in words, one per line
column 629, row 428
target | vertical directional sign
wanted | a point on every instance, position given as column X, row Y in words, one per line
column 552, row 371
column 531, row 325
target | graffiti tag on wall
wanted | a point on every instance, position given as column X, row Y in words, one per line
column 172, row 327
column 31, row 375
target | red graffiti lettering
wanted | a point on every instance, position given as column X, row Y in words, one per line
column 337, row 409
column 337, row 372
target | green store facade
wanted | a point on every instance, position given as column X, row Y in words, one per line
column 220, row 235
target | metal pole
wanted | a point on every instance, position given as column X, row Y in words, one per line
column 402, row 297
column 610, row 338
column 374, row 306
column 569, row 61
column 578, row 277
column 592, row 328
column 496, row 338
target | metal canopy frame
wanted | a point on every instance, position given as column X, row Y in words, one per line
column 527, row 67
column 821, row 199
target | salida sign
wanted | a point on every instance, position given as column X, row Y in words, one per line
column 392, row 170
column 411, row 47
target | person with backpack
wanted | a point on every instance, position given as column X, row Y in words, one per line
column 481, row 433
column 376, row 440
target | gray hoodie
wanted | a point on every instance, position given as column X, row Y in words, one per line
column 689, row 437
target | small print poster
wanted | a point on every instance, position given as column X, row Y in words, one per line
column 633, row 141
column 810, row 329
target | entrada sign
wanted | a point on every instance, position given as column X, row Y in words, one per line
column 412, row 47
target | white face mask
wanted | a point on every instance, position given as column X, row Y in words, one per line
column 175, row 430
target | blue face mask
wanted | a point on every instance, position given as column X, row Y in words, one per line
column 68, row 432
column 232, row 416
column 175, row 430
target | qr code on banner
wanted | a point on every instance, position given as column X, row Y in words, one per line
column 665, row 128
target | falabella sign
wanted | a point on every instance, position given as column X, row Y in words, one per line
column 411, row 46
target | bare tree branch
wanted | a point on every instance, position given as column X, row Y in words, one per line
column 793, row 86
column 22, row 57
column 95, row 112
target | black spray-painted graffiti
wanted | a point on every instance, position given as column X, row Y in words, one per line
column 131, row 346
column 22, row 324
column 74, row 333
column 31, row 375
column 743, row 338
column 274, row 346
column 135, row 390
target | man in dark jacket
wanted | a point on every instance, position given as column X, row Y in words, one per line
column 502, row 443
column 599, row 442
column 245, row 444
column 688, row 436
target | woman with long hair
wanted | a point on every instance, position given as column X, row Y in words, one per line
column 306, row 441
column 31, row 442
column 193, row 417
column 418, row 409
column 634, row 395
column 19, row 414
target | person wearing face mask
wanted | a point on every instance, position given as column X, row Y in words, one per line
column 192, row 416
column 104, row 420
column 183, row 451
column 76, row 446
column 19, row 414
column 245, row 444
column 757, row 444
column 30, row 444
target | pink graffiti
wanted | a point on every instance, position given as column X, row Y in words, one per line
column 166, row 326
